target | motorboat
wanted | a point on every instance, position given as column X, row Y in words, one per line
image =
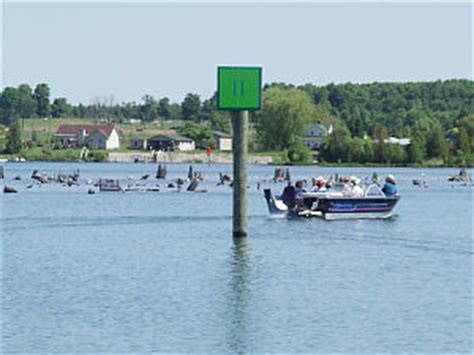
column 332, row 204
column 109, row 185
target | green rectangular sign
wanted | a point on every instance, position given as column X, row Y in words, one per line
column 239, row 88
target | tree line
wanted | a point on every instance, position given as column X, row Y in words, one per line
column 437, row 116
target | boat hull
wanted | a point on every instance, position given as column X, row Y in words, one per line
column 333, row 208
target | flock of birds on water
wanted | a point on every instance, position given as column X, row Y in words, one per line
column 192, row 180
column 73, row 179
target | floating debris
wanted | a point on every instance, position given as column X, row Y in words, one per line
column 462, row 176
column 223, row 178
column 71, row 182
column 18, row 177
column 91, row 191
column 193, row 185
column 9, row 190
column 41, row 177
column 161, row 172
column 152, row 189
column 281, row 174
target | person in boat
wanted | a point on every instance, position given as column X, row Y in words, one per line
column 390, row 188
column 299, row 190
column 346, row 185
column 319, row 185
column 375, row 178
column 355, row 189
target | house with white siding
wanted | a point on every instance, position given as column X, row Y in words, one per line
column 91, row 136
column 315, row 134
column 223, row 141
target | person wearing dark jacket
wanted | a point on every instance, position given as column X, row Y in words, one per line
column 390, row 188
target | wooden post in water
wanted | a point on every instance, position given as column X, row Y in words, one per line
column 239, row 89
column 239, row 146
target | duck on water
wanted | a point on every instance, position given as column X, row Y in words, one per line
column 335, row 199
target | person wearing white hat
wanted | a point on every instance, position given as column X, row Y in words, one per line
column 390, row 188
column 356, row 190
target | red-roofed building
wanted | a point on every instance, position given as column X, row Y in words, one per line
column 91, row 136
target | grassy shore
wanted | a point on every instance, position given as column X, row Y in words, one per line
column 59, row 155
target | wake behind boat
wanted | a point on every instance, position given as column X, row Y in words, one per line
column 337, row 202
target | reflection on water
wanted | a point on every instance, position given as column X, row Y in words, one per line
column 240, row 296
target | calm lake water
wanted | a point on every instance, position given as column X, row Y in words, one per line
column 159, row 272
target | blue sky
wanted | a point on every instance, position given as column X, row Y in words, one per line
column 123, row 50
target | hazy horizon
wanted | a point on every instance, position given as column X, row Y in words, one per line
column 125, row 51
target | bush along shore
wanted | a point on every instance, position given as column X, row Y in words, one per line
column 60, row 155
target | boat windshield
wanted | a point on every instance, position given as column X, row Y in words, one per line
column 374, row 191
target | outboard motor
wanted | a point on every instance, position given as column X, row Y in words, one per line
column 275, row 206
column 288, row 196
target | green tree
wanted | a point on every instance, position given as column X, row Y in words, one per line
column 220, row 122
column 337, row 146
column 202, row 134
column 175, row 112
column 60, row 108
column 149, row 109
column 209, row 107
column 298, row 153
column 26, row 102
column 164, row 108
column 41, row 95
column 9, row 102
column 417, row 150
column 437, row 146
column 397, row 154
column 191, row 108
column 14, row 138
column 466, row 124
column 358, row 150
column 463, row 141
column 284, row 116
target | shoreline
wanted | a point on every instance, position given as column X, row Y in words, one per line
column 251, row 161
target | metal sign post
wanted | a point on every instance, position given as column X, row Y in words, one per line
column 239, row 90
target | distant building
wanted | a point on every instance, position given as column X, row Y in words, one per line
column 223, row 141
column 91, row 136
column 138, row 143
column 170, row 142
column 315, row 134
column 399, row 141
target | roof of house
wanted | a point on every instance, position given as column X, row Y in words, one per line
column 221, row 134
column 170, row 137
column 73, row 129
